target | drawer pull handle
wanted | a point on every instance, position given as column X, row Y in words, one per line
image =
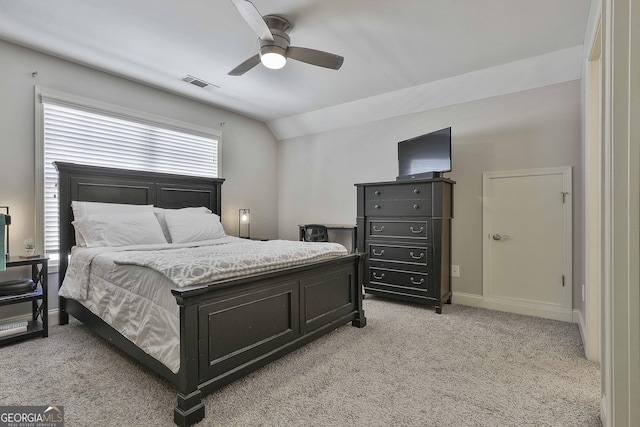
column 377, row 193
column 378, row 254
column 375, row 276
column 420, row 282
column 376, row 206
column 415, row 231
column 378, row 230
column 416, row 257
column 415, row 206
column 416, row 191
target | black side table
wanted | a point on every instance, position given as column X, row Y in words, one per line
column 38, row 325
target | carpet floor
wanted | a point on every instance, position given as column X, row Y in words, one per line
column 407, row 367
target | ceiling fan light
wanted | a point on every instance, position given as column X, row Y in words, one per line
column 273, row 60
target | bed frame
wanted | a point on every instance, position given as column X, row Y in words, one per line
column 228, row 328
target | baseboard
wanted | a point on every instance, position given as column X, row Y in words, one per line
column 467, row 299
column 603, row 411
column 579, row 319
column 528, row 309
column 53, row 316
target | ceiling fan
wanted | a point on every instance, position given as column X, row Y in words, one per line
column 273, row 42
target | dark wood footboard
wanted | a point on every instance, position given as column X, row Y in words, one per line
column 229, row 329
column 233, row 327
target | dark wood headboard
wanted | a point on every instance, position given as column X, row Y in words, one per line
column 109, row 185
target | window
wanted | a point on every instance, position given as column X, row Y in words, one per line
column 81, row 131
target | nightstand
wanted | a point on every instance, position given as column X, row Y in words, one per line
column 38, row 325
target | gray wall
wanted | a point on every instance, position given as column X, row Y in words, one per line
column 249, row 150
column 310, row 179
column 530, row 129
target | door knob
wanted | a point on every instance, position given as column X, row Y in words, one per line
column 496, row 237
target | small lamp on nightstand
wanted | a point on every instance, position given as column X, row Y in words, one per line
column 244, row 222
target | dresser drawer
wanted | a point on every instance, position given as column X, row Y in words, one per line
column 413, row 255
column 404, row 229
column 398, row 191
column 405, row 279
column 403, row 207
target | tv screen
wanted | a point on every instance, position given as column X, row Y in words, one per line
column 425, row 156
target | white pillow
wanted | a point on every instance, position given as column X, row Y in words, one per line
column 163, row 224
column 82, row 209
column 119, row 229
column 193, row 227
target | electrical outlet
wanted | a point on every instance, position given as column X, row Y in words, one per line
column 455, row 271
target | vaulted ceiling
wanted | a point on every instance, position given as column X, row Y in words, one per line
column 388, row 46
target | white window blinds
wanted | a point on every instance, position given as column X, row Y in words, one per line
column 92, row 138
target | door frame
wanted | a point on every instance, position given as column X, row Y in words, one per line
column 590, row 312
column 531, row 308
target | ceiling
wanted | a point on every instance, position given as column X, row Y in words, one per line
column 388, row 46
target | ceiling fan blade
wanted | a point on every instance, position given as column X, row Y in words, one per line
column 253, row 18
column 245, row 66
column 315, row 57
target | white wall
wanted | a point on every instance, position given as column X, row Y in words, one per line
column 528, row 129
column 249, row 150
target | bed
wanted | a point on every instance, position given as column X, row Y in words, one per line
column 228, row 327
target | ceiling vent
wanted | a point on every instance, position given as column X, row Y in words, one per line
column 199, row 82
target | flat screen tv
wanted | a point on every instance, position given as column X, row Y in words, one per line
column 425, row 156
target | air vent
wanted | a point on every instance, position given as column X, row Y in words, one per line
column 199, row 82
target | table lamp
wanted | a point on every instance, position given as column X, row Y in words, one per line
column 244, row 219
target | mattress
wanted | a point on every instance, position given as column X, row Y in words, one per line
column 130, row 287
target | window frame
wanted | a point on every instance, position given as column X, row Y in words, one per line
column 43, row 95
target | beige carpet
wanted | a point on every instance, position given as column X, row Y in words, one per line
column 407, row 367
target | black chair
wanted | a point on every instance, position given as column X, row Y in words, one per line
column 315, row 233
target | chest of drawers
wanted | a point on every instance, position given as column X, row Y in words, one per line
column 407, row 237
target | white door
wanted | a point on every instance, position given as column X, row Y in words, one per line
column 527, row 242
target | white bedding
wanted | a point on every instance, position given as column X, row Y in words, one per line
column 202, row 264
column 130, row 287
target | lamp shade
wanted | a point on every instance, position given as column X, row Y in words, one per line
column 244, row 216
column 244, row 223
